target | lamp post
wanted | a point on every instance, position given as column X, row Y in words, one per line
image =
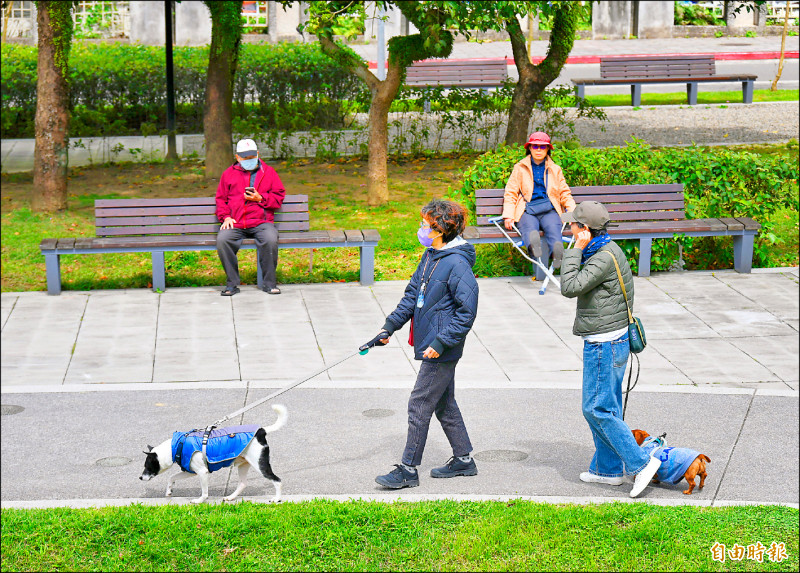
column 172, row 151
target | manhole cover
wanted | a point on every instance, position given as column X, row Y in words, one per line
column 378, row 413
column 113, row 461
column 500, row 456
column 11, row 409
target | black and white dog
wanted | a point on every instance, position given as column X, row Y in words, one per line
column 222, row 451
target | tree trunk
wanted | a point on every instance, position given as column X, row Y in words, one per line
column 534, row 79
column 226, row 34
column 383, row 95
column 52, row 108
column 217, row 119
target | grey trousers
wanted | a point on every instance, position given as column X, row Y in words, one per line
column 550, row 223
column 434, row 393
column 229, row 241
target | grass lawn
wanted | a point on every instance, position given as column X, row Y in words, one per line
column 422, row 536
column 337, row 197
column 679, row 98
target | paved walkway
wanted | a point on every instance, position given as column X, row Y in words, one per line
column 100, row 374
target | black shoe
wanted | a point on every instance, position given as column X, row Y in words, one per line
column 398, row 478
column 455, row 467
column 558, row 254
column 230, row 291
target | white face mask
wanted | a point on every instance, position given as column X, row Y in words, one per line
column 249, row 164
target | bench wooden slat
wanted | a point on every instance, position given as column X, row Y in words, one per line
column 182, row 201
column 183, row 220
column 65, row 243
column 371, row 235
column 353, row 235
column 452, row 73
column 209, row 228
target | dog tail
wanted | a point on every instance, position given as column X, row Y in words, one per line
column 704, row 458
column 283, row 415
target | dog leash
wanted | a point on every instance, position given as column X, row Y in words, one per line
column 363, row 349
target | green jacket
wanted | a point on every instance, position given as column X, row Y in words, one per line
column 601, row 305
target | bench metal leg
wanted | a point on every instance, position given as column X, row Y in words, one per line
column 691, row 93
column 367, row 261
column 159, row 274
column 636, row 95
column 580, row 95
column 747, row 91
column 645, row 251
column 259, row 278
column 52, row 264
column 743, row 252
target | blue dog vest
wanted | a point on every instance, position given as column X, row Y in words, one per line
column 223, row 445
column 674, row 461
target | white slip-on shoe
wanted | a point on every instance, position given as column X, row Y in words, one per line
column 589, row 477
column 643, row 477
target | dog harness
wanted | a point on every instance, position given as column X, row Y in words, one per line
column 222, row 447
column 674, row 461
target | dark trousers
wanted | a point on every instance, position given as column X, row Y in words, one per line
column 229, row 241
column 434, row 393
column 550, row 223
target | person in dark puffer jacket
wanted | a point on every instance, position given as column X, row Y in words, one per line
column 590, row 274
column 441, row 300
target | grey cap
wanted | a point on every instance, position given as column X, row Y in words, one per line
column 590, row 213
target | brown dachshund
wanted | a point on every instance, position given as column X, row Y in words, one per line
column 697, row 467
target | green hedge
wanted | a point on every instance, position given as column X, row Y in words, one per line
column 718, row 182
column 120, row 89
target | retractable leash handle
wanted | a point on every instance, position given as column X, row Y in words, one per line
column 364, row 348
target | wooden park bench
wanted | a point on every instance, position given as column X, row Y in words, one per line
column 474, row 73
column 190, row 224
column 643, row 212
column 643, row 70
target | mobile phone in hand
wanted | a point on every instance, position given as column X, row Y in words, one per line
column 249, row 190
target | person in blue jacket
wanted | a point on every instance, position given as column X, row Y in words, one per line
column 441, row 300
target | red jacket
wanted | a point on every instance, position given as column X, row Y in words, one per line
column 248, row 214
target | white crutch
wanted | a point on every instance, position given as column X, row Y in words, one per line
column 518, row 245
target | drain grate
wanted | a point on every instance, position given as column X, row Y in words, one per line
column 500, row 456
column 113, row 462
column 378, row 413
column 11, row 409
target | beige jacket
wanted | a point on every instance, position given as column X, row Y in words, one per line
column 520, row 188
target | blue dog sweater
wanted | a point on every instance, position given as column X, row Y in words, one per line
column 224, row 444
column 674, row 461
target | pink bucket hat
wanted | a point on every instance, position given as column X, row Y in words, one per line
column 540, row 138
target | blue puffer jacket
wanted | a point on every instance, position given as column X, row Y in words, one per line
column 224, row 444
column 450, row 306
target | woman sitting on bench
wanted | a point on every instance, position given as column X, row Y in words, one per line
column 536, row 195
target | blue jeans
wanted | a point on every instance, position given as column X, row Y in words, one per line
column 616, row 451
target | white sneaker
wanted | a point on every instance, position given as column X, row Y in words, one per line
column 589, row 477
column 643, row 477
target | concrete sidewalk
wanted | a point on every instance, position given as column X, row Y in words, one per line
column 103, row 373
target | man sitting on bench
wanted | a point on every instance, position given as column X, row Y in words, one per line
column 248, row 195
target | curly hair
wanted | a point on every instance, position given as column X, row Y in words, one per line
column 447, row 217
